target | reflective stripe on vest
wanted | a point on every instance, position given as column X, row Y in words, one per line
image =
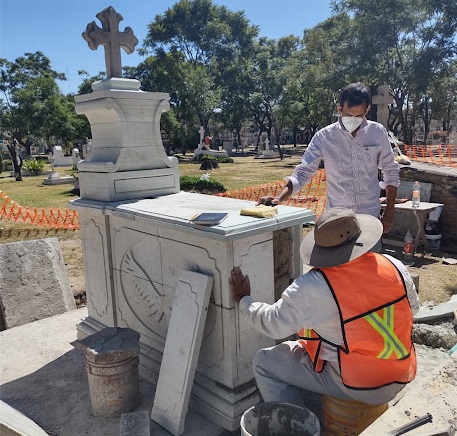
column 384, row 326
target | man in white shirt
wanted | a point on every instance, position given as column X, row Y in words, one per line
column 353, row 311
column 353, row 150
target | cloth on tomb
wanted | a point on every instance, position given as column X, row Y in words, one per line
column 260, row 211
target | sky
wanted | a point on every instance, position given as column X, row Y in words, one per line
column 54, row 27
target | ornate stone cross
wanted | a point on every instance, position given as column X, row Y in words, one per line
column 111, row 38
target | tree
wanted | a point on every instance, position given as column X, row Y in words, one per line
column 20, row 114
column 33, row 107
column 408, row 46
column 204, row 40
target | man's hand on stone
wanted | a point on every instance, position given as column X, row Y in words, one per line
column 268, row 201
column 239, row 284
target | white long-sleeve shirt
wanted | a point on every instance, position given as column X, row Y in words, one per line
column 351, row 166
column 309, row 303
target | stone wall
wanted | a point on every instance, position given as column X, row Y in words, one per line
column 444, row 180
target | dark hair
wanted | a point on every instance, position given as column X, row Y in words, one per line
column 354, row 95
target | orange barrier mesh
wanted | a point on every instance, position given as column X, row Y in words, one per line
column 438, row 154
column 50, row 218
column 312, row 196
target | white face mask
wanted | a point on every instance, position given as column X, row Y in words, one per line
column 351, row 123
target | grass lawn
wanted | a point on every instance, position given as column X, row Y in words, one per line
column 437, row 281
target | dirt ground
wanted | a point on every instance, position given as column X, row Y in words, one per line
column 437, row 280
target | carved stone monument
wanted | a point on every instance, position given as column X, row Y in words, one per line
column 382, row 101
column 134, row 250
column 127, row 158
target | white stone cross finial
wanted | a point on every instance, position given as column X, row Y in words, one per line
column 110, row 37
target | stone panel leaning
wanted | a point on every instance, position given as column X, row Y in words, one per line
column 33, row 282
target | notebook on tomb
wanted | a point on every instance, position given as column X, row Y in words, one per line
column 209, row 218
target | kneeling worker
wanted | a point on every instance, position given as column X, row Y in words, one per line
column 353, row 311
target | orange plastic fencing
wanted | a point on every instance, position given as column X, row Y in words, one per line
column 312, row 196
column 50, row 218
column 438, row 154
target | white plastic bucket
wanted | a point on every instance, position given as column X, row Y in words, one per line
column 434, row 241
column 279, row 419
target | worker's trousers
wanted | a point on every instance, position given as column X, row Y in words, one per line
column 285, row 372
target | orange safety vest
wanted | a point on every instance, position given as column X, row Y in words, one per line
column 376, row 323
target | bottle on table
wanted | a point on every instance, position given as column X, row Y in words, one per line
column 416, row 194
column 408, row 249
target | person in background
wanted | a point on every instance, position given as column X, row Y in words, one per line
column 353, row 311
column 353, row 150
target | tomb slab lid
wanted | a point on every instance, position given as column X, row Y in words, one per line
column 177, row 210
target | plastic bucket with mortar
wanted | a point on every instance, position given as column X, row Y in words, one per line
column 279, row 419
column 348, row 417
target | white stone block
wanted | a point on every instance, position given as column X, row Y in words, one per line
column 33, row 282
column 181, row 352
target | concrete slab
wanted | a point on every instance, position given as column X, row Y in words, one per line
column 135, row 424
column 14, row 423
column 182, row 348
column 428, row 313
column 44, row 377
column 436, row 394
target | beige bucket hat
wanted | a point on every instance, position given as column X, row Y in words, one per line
column 339, row 236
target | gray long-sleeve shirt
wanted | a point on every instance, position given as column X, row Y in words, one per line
column 351, row 166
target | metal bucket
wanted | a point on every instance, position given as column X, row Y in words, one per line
column 279, row 419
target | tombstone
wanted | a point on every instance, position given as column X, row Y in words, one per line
column 137, row 236
column 75, row 156
column 382, row 100
column 54, row 174
column 33, row 282
column 60, row 160
column 55, row 178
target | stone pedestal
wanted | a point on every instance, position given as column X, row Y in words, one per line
column 127, row 158
column 112, row 370
column 133, row 254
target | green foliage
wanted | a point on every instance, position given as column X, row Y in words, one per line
column 32, row 105
column 34, row 166
column 7, row 164
column 74, row 171
column 196, row 184
column 219, row 159
column 203, row 40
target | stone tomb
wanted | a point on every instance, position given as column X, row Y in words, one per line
column 137, row 237
column 133, row 254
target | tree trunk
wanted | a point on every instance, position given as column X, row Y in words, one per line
column 278, row 144
column 295, row 135
column 17, row 162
